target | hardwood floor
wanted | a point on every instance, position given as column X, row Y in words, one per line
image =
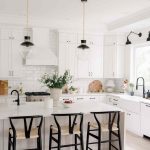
column 134, row 142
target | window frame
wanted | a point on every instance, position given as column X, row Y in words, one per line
column 133, row 62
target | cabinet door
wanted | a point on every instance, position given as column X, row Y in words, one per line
column 67, row 53
column 83, row 68
column 5, row 53
column 67, row 58
column 96, row 62
column 109, row 58
column 1, row 134
column 133, row 122
column 119, row 61
column 16, row 58
column 145, row 120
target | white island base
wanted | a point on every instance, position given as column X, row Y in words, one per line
column 38, row 108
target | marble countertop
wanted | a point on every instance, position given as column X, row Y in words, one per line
column 39, row 108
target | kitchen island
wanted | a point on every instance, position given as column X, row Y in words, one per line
column 39, row 108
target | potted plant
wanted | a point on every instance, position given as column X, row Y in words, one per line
column 55, row 83
column 131, row 85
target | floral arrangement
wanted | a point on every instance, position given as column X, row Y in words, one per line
column 56, row 81
column 125, row 85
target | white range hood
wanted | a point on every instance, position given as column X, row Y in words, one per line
column 41, row 53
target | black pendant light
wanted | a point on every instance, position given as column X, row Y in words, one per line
column 148, row 39
column 83, row 41
column 27, row 42
column 128, row 42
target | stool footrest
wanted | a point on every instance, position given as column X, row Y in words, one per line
column 69, row 145
column 106, row 141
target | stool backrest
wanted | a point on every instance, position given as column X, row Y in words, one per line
column 28, row 124
column 113, row 117
column 72, row 121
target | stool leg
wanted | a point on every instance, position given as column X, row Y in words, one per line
column 110, row 140
column 59, row 141
column 50, row 139
column 9, row 142
column 87, row 137
column 14, row 143
column 82, row 142
column 99, row 139
column 76, row 146
column 39, row 143
column 120, row 147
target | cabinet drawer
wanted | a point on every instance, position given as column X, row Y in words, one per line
column 131, row 106
column 145, row 109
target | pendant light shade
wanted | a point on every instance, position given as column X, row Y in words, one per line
column 148, row 39
column 27, row 42
column 83, row 41
column 128, row 41
column 83, row 45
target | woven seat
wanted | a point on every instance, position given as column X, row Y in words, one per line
column 65, row 130
column 104, row 127
column 20, row 134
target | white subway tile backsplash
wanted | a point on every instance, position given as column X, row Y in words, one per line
column 30, row 78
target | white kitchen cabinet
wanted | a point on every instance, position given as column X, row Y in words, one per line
column 132, row 109
column 145, row 120
column 1, row 134
column 90, row 61
column 67, row 53
column 133, row 122
column 10, row 53
column 81, row 63
column 114, row 48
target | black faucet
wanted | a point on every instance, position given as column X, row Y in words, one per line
column 18, row 99
column 143, row 85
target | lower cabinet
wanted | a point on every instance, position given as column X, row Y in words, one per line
column 145, row 119
column 1, row 134
column 133, row 122
column 132, row 109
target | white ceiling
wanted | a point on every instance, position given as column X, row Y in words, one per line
column 97, row 11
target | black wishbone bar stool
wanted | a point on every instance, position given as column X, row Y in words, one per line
column 73, row 127
column 112, row 126
column 26, row 132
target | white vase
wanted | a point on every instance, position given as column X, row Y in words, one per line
column 55, row 95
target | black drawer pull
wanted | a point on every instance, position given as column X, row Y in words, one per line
column 147, row 105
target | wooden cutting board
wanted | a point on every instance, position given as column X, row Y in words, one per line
column 3, row 87
column 95, row 86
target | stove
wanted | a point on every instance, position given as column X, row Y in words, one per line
column 36, row 96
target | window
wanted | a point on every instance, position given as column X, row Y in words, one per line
column 141, row 63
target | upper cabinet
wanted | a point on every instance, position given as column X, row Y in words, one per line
column 10, row 53
column 114, row 47
column 81, row 63
column 67, row 53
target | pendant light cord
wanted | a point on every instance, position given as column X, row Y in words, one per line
column 83, row 19
column 27, row 15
